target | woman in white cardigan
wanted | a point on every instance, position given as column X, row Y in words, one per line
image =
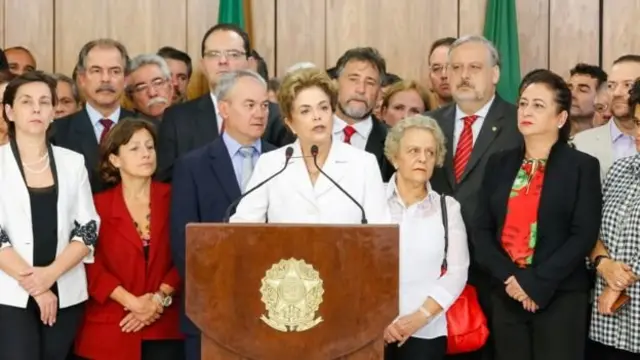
column 415, row 145
column 48, row 227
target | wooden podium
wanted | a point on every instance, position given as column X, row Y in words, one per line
column 232, row 268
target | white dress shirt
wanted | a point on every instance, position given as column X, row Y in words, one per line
column 219, row 118
column 359, row 138
column 458, row 125
column 95, row 117
column 291, row 197
column 422, row 252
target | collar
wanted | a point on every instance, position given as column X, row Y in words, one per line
column 391, row 192
column 233, row 146
column 363, row 127
column 482, row 113
column 616, row 134
column 95, row 116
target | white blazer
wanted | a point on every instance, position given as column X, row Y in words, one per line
column 597, row 143
column 77, row 221
column 291, row 198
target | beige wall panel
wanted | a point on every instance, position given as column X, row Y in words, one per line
column 263, row 31
column 472, row 14
column 620, row 33
column 401, row 31
column 2, row 36
column 300, row 33
column 533, row 34
column 142, row 26
column 22, row 29
column 574, row 34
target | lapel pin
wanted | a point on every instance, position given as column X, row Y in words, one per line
column 494, row 129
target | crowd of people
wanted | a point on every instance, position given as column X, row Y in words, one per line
column 533, row 204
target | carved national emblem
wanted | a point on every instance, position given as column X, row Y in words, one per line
column 292, row 292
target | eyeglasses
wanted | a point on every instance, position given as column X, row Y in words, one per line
column 228, row 54
column 601, row 107
column 155, row 84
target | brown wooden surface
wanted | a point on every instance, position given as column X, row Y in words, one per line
column 358, row 266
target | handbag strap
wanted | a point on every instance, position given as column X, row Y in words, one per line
column 445, row 223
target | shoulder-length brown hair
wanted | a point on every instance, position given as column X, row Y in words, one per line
column 120, row 135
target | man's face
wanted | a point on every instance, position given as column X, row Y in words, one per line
column 620, row 81
column 438, row 76
column 358, row 88
column 151, row 92
column 67, row 104
column 583, row 93
column 20, row 61
column 102, row 81
column 472, row 75
column 223, row 52
column 179, row 79
column 245, row 110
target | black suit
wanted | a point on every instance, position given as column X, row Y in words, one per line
column 375, row 145
column 568, row 225
column 204, row 186
column 499, row 131
column 193, row 124
column 76, row 132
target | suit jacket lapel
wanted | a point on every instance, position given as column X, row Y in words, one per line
column 297, row 171
column 375, row 142
column 489, row 131
column 206, row 120
column 447, row 126
column 222, row 169
column 335, row 166
column 159, row 217
column 13, row 180
column 124, row 221
column 85, row 134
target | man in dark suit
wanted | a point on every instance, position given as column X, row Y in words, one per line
column 207, row 180
column 190, row 125
column 477, row 124
column 361, row 72
column 102, row 66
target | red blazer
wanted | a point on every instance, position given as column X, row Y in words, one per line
column 119, row 261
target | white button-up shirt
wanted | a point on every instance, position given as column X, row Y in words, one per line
column 359, row 138
column 422, row 252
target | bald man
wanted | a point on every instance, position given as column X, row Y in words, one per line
column 20, row 60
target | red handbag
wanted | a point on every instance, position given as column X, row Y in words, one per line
column 467, row 328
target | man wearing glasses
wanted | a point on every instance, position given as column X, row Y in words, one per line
column 149, row 87
column 438, row 79
column 190, row 125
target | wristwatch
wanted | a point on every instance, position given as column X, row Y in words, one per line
column 163, row 299
column 598, row 260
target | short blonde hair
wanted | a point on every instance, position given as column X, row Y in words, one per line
column 396, row 133
column 301, row 79
column 406, row 85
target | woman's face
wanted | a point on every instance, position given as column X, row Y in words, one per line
column 137, row 158
column 402, row 104
column 416, row 156
column 32, row 110
column 537, row 112
column 312, row 117
column 3, row 124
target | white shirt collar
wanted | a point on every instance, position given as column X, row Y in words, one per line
column 95, row 116
column 391, row 191
column 482, row 113
column 363, row 127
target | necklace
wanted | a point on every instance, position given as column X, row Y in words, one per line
column 39, row 171
column 45, row 156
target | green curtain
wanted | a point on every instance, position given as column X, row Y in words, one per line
column 231, row 12
column 501, row 28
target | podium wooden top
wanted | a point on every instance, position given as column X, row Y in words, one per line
column 358, row 265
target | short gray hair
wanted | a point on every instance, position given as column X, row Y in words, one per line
column 396, row 133
column 299, row 66
column 150, row 59
column 74, row 87
column 103, row 43
column 494, row 56
column 228, row 81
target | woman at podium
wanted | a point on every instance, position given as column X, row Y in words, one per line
column 414, row 146
column 319, row 179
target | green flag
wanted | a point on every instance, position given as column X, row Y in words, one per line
column 231, row 12
column 501, row 28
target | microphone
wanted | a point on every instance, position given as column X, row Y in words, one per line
column 314, row 153
column 287, row 156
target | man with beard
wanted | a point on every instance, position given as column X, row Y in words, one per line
column 477, row 124
column 195, row 123
column 102, row 67
column 150, row 88
column 584, row 83
column 360, row 72
column 615, row 140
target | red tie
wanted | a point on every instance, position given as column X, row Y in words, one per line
column 464, row 148
column 348, row 133
column 106, row 126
